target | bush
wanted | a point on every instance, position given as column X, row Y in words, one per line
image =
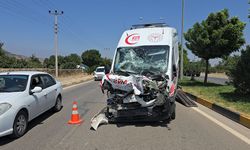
column 90, row 70
column 240, row 74
column 69, row 65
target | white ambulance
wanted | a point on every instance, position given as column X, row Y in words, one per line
column 142, row 83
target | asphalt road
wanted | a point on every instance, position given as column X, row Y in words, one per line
column 193, row 129
column 221, row 81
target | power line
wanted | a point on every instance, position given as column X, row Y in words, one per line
column 13, row 10
column 16, row 8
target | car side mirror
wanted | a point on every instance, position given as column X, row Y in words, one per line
column 37, row 89
column 107, row 69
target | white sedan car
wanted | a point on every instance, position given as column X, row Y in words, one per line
column 99, row 73
column 23, row 97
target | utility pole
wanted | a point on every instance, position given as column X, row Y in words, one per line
column 182, row 26
column 56, row 13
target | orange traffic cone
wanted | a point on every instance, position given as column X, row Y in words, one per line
column 75, row 117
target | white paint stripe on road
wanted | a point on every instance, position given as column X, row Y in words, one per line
column 84, row 82
column 232, row 131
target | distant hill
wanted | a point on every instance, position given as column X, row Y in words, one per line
column 15, row 55
column 19, row 56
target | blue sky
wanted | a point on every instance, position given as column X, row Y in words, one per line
column 27, row 28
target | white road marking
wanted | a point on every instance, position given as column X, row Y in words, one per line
column 232, row 131
column 84, row 82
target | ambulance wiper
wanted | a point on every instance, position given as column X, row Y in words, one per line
column 125, row 72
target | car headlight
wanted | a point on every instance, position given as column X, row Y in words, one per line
column 4, row 107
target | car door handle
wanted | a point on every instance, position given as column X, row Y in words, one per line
column 46, row 94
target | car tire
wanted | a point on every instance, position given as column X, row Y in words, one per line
column 20, row 124
column 173, row 115
column 58, row 104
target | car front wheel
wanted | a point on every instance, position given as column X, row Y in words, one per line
column 20, row 124
column 58, row 104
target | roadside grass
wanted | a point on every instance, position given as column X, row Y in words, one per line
column 222, row 95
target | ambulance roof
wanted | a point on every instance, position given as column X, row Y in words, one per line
column 147, row 34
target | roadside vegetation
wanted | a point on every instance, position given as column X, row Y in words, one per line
column 215, row 37
column 90, row 58
column 218, row 37
column 223, row 95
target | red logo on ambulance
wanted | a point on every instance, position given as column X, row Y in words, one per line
column 132, row 39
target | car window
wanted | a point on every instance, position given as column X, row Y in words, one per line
column 13, row 83
column 100, row 70
column 48, row 80
column 36, row 81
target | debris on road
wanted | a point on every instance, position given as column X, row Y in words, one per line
column 98, row 119
column 182, row 98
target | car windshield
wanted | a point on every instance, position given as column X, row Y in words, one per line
column 100, row 70
column 13, row 83
column 143, row 58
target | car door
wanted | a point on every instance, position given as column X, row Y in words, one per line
column 50, row 90
column 38, row 99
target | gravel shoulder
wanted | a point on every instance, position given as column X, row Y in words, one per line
column 74, row 79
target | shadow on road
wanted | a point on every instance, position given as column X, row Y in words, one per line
column 37, row 121
column 144, row 124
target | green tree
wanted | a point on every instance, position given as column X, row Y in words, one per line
column 21, row 63
column 91, row 57
column 185, row 57
column 61, row 61
column 69, row 65
column 46, row 63
column 240, row 74
column 71, row 61
column 1, row 49
column 34, row 62
column 215, row 37
column 106, row 62
column 227, row 63
column 50, row 62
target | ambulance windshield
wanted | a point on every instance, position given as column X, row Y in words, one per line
column 153, row 59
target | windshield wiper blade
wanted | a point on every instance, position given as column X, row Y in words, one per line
column 126, row 73
column 122, row 72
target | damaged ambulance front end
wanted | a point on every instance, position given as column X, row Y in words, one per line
column 141, row 85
